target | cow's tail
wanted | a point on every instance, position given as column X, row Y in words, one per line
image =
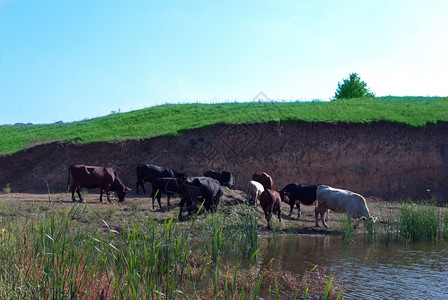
column 68, row 181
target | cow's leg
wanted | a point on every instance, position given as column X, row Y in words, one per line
column 267, row 215
column 73, row 192
column 101, row 195
column 154, row 194
column 108, row 196
column 279, row 214
column 316, row 216
column 168, row 196
column 291, row 205
column 322, row 216
column 180, row 214
column 78, row 191
column 298, row 208
column 143, row 187
column 183, row 201
column 159, row 195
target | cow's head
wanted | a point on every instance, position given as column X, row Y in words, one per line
column 121, row 192
column 121, row 189
column 284, row 196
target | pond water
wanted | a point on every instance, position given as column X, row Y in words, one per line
column 366, row 270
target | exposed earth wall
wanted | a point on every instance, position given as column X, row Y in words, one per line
column 385, row 160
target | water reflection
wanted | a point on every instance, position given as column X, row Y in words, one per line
column 366, row 270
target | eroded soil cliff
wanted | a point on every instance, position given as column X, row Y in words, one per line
column 385, row 160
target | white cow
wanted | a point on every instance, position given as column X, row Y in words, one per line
column 254, row 190
column 340, row 201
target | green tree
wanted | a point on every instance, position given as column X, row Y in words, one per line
column 353, row 87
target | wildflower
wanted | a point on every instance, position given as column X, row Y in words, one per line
column 3, row 230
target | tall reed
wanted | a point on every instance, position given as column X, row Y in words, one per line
column 419, row 223
column 347, row 230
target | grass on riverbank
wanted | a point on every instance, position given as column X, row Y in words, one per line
column 173, row 119
column 51, row 251
column 412, row 223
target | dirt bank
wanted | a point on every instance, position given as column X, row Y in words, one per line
column 381, row 159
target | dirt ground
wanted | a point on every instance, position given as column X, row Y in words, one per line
column 139, row 208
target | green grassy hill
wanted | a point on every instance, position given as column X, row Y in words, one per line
column 173, row 119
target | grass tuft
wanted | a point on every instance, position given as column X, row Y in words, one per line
column 6, row 189
column 419, row 223
column 347, row 229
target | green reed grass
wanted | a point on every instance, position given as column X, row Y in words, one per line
column 420, row 223
column 370, row 230
column 241, row 227
column 173, row 119
column 413, row 223
column 445, row 224
column 347, row 230
column 6, row 189
column 75, row 254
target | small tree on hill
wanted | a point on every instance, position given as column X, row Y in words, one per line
column 353, row 87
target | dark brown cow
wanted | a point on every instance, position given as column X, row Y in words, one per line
column 91, row 177
column 271, row 202
column 264, row 179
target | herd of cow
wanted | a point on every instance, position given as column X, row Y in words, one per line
column 207, row 189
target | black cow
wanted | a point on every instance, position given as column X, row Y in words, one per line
column 91, row 177
column 147, row 173
column 225, row 178
column 200, row 189
column 300, row 193
column 164, row 185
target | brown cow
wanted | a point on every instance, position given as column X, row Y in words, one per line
column 91, row 177
column 264, row 179
column 271, row 202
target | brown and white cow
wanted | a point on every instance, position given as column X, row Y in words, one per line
column 91, row 177
column 340, row 201
column 264, row 179
column 271, row 202
column 254, row 190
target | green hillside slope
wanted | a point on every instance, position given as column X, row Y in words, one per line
column 173, row 119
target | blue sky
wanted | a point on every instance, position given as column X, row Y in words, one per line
column 75, row 59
